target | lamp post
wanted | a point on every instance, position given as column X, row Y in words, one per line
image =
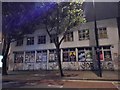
column 97, row 42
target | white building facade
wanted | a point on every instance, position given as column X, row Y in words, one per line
column 37, row 52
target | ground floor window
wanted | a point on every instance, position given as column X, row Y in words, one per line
column 30, row 56
column 69, row 55
column 18, row 57
column 41, row 56
column 84, row 54
column 105, row 53
column 81, row 54
column 52, row 56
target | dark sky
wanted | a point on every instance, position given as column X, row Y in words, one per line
column 104, row 10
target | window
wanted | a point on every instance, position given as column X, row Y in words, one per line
column 84, row 54
column 52, row 56
column 53, row 38
column 41, row 39
column 81, row 55
column 102, row 32
column 41, row 56
column 83, row 34
column 30, row 40
column 68, row 37
column 105, row 53
column 19, row 42
column 30, row 56
column 69, row 55
column 18, row 57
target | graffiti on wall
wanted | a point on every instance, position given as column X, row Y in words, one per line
column 69, row 66
column 43, row 66
column 53, row 66
column 85, row 65
column 18, row 66
column 107, row 65
column 89, row 65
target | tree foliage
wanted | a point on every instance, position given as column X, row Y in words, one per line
column 65, row 16
column 60, row 20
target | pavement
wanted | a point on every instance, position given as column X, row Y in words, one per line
column 72, row 79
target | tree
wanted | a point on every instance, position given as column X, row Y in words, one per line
column 18, row 19
column 28, row 17
column 60, row 20
column 16, row 24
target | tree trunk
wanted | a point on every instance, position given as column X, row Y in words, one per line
column 4, row 60
column 59, row 60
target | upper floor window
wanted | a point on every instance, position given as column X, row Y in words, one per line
column 68, row 37
column 53, row 38
column 30, row 40
column 19, row 42
column 102, row 32
column 41, row 39
column 83, row 34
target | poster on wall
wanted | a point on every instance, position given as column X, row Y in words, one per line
column 107, row 55
column 18, row 57
column 81, row 56
column 72, row 56
column 30, row 56
column 41, row 56
column 88, row 55
column 52, row 56
column 69, row 55
column 65, row 56
column 44, row 57
column 101, row 56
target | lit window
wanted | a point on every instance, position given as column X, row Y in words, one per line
column 69, row 55
column 41, row 39
column 41, row 56
column 84, row 54
column 19, row 42
column 83, row 34
column 52, row 56
column 30, row 56
column 105, row 53
column 18, row 57
column 30, row 40
column 68, row 37
column 102, row 32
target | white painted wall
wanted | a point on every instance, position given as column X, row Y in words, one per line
column 112, row 39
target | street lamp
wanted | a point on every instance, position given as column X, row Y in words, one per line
column 97, row 42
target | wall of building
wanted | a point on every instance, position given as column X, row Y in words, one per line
column 46, row 64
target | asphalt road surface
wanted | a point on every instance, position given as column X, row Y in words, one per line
column 62, row 84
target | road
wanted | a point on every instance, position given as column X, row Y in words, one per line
column 111, row 85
